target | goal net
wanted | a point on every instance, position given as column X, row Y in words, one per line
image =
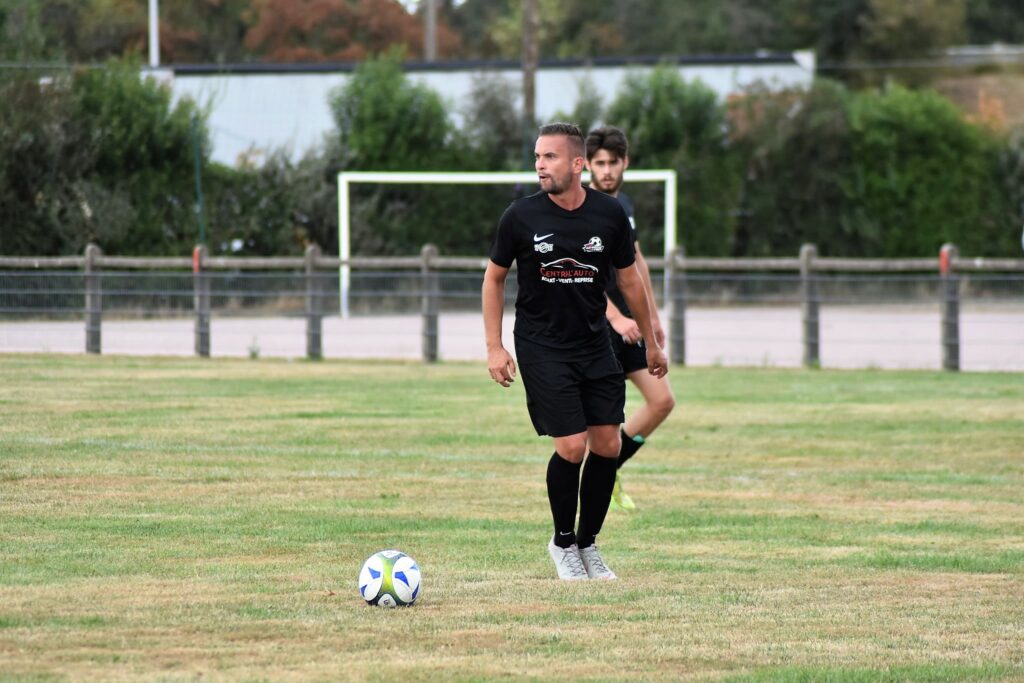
column 348, row 178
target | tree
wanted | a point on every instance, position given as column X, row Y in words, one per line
column 995, row 21
column 337, row 30
column 77, row 31
column 386, row 122
column 895, row 29
column 492, row 126
column 206, row 31
column 796, row 151
column 96, row 155
column 871, row 174
column 674, row 124
column 23, row 37
column 923, row 176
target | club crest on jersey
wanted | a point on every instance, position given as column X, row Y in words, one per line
column 543, row 247
column 594, row 244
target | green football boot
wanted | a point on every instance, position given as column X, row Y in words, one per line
column 621, row 499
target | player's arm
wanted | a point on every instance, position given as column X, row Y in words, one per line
column 623, row 325
column 499, row 361
column 632, row 287
column 645, row 275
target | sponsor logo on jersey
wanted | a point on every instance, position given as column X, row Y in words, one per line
column 567, row 271
column 542, row 237
column 593, row 245
column 543, row 247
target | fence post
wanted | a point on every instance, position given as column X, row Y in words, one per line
column 950, row 307
column 314, row 314
column 431, row 293
column 201, row 300
column 93, row 300
column 675, row 271
column 809, row 306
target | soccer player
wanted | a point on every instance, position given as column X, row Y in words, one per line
column 608, row 159
column 566, row 240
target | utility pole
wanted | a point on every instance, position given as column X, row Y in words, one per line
column 430, row 31
column 154, row 34
column 531, row 57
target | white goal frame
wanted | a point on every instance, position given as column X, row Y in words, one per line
column 347, row 178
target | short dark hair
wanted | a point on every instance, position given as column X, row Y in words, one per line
column 569, row 130
column 609, row 138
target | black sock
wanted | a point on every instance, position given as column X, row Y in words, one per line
column 595, row 495
column 629, row 448
column 563, row 492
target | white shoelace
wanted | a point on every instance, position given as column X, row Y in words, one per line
column 595, row 559
column 573, row 561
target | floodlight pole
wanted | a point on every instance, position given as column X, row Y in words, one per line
column 530, row 61
column 154, row 34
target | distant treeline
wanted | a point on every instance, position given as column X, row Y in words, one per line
column 100, row 155
column 842, row 33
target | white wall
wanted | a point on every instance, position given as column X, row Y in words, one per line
column 256, row 113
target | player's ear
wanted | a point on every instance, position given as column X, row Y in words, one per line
column 625, row 162
column 578, row 164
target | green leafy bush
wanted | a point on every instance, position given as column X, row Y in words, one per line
column 896, row 173
column 674, row 124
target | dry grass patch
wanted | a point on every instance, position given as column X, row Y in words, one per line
column 170, row 519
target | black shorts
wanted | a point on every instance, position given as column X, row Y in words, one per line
column 632, row 357
column 566, row 397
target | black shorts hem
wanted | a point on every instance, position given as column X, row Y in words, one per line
column 564, row 398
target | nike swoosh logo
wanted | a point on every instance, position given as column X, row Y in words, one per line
column 542, row 237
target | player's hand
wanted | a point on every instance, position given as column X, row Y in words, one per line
column 659, row 333
column 627, row 328
column 502, row 366
column 657, row 361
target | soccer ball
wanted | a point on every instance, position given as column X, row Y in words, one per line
column 389, row 578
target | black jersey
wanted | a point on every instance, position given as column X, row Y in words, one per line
column 613, row 291
column 564, row 261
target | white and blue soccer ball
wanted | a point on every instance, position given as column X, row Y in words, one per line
column 389, row 578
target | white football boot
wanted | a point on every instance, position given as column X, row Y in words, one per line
column 594, row 564
column 567, row 562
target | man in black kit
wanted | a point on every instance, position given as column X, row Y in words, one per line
column 565, row 241
column 608, row 159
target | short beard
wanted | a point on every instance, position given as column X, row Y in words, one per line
column 557, row 187
column 612, row 191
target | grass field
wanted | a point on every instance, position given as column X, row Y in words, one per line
column 175, row 519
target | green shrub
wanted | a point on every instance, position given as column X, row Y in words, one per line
column 873, row 174
column 674, row 124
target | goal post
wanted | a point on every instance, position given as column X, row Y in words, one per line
column 348, row 178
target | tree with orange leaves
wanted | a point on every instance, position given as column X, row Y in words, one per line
column 338, row 30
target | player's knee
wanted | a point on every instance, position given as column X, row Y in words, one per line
column 663, row 405
column 608, row 446
column 573, row 449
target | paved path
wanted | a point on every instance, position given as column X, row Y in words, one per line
column 860, row 337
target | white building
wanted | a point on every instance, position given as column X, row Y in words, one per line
column 256, row 109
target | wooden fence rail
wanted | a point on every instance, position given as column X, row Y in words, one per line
column 948, row 265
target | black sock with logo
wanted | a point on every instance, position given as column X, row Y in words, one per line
column 563, row 492
column 629, row 447
column 595, row 495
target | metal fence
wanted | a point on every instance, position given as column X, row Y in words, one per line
column 103, row 288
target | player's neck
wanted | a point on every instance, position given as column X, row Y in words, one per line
column 571, row 199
